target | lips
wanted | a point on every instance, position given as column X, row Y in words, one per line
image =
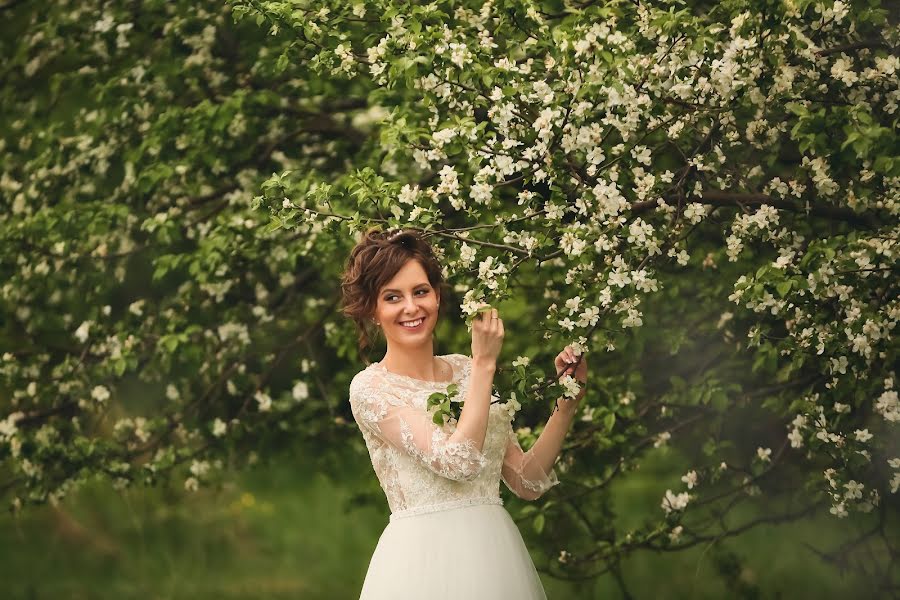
column 419, row 322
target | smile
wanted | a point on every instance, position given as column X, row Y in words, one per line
column 413, row 324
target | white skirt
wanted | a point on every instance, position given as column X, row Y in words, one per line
column 471, row 552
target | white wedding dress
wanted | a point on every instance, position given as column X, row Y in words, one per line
column 449, row 536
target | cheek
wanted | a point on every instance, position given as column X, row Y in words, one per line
column 379, row 310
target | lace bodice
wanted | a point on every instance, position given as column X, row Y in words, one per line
column 419, row 467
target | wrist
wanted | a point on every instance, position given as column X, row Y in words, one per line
column 569, row 405
column 485, row 365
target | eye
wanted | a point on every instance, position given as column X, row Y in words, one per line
column 389, row 296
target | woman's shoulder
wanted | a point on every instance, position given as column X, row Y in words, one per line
column 365, row 378
column 461, row 364
column 459, row 357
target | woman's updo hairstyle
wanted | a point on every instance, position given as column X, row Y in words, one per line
column 373, row 262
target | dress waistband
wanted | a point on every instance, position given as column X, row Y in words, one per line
column 431, row 508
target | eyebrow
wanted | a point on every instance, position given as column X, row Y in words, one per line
column 414, row 287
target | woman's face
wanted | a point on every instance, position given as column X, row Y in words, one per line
column 407, row 297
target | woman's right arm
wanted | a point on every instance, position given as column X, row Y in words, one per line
column 473, row 419
column 456, row 456
column 409, row 429
column 487, row 340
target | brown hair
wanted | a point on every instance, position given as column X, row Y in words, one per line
column 376, row 258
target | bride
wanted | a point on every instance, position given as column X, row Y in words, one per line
column 449, row 535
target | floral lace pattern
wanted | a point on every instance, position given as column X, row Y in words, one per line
column 420, row 468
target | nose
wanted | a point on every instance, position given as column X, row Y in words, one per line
column 411, row 306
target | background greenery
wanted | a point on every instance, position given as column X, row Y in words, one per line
column 147, row 150
column 291, row 529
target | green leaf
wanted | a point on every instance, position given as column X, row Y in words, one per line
column 676, row 382
column 609, row 421
column 719, row 399
column 119, row 366
column 539, row 523
column 169, row 342
column 273, row 225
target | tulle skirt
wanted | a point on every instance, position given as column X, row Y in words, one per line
column 466, row 553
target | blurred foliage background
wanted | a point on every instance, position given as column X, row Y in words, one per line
column 295, row 528
column 144, row 145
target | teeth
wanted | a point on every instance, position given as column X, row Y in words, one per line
column 412, row 323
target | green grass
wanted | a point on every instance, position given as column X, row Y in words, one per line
column 276, row 533
column 288, row 531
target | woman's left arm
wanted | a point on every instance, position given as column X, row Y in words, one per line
column 540, row 458
column 549, row 443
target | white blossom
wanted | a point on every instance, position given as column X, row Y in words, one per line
column 675, row 534
column 81, row 334
column 839, row 510
column 449, row 181
column 300, row 391
column 675, row 502
column 854, row 490
column 443, row 136
column 264, row 401
column 863, row 435
column 408, row 194
column 694, row 212
column 100, row 393
column 466, row 254
column 512, row 405
column 199, row 468
column 571, row 386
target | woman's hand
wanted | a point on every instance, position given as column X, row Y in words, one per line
column 487, row 336
column 565, row 365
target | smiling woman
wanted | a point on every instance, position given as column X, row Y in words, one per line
column 407, row 314
column 390, row 282
column 441, row 477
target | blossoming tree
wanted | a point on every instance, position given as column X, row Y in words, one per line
column 704, row 196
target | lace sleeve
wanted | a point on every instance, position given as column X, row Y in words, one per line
column 411, row 430
column 521, row 472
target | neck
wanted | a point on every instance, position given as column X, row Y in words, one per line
column 417, row 361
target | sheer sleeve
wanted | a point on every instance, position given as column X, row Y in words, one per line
column 522, row 473
column 411, row 430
